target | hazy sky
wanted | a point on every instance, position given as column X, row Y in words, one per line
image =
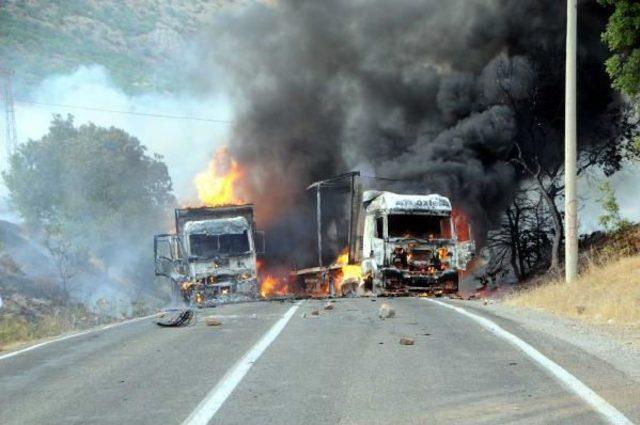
column 186, row 145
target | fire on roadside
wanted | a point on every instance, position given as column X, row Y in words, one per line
column 270, row 285
column 218, row 185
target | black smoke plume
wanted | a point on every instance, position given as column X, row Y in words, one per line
column 432, row 92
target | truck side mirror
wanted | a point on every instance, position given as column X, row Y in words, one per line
column 259, row 240
column 163, row 253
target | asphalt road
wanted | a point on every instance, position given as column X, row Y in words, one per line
column 345, row 366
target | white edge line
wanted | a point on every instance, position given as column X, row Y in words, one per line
column 212, row 402
column 73, row 335
column 600, row 405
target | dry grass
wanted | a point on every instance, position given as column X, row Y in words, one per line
column 16, row 330
column 605, row 293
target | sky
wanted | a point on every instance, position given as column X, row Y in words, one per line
column 186, row 145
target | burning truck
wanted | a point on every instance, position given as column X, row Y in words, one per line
column 409, row 244
column 398, row 244
column 212, row 254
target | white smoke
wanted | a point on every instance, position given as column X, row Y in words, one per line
column 186, row 145
column 625, row 185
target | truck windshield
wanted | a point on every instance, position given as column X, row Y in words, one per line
column 419, row 226
column 204, row 245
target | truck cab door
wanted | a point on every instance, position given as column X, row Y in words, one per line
column 166, row 253
column 377, row 242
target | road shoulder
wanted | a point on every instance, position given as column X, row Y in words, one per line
column 619, row 347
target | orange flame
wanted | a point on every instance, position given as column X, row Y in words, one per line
column 271, row 286
column 347, row 271
column 217, row 185
column 461, row 223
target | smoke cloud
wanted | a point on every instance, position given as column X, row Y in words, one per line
column 418, row 90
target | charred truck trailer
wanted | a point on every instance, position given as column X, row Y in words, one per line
column 212, row 254
column 409, row 244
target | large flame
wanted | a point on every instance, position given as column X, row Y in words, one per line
column 218, row 184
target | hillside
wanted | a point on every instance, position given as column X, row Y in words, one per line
column 137, row 40
column 607, row 290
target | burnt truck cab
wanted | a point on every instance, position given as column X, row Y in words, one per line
column 409, row 244
column 213, row 253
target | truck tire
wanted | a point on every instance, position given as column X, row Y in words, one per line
column 349, row 288
column 451, row 286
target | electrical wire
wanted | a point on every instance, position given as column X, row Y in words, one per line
column 114, row 111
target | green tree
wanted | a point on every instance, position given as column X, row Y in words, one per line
column 622, row 36
column 611, row 220
column 92, row 189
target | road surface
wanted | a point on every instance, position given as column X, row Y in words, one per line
column 344, row 366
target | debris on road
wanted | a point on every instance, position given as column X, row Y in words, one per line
column 406, row 341
column 328, row 306
column 175, row 318
column 210, row 321
column 386, row 311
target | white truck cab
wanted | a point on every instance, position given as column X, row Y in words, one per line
column 409, row 243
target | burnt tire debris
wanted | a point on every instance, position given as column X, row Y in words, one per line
column 175, row 318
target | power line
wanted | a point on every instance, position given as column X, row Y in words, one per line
column 114, row 111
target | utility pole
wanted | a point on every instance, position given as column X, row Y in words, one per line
column 6, row 98
column 570, row 145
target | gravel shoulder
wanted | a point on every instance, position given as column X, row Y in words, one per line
column 615, row 345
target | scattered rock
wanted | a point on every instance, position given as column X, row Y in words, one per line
column 315, row 313
column 406, row 341
column 210, row 321
column 386, row 311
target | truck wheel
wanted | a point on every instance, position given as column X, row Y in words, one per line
column 451, row 286
column 349, row 288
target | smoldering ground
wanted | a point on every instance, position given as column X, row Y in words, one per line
column 429, row 92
